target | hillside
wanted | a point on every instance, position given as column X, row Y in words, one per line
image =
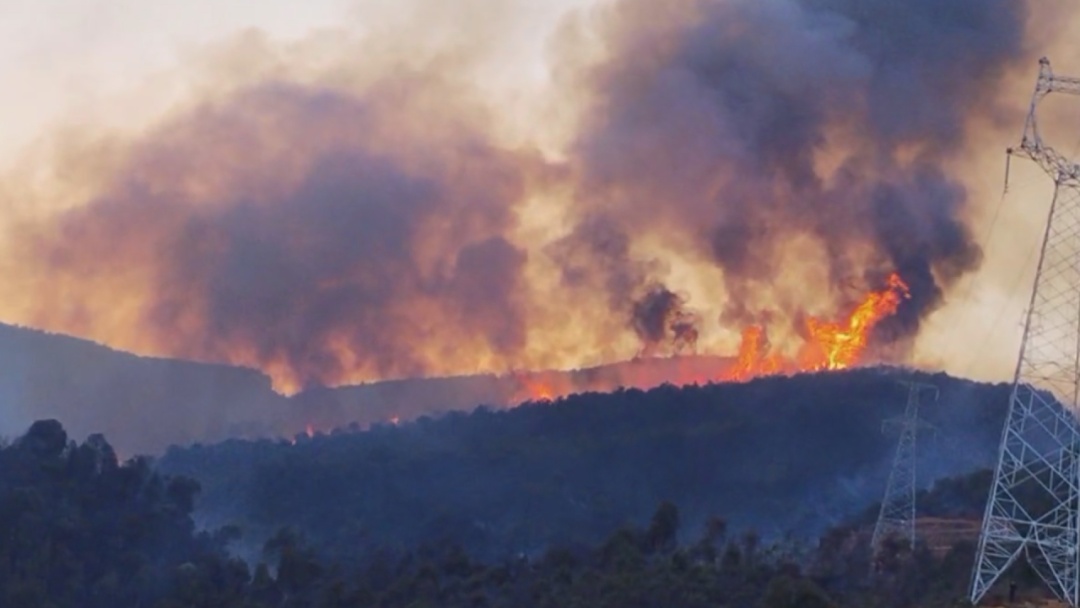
column 84, row 530
column 778, row 455
column 407, row 399
column 141, row 403
column 145, row 404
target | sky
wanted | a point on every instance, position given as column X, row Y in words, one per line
column 72, row 60
column 64, row 56
column 103, row 65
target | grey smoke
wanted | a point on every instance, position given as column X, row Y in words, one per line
column 713, row 125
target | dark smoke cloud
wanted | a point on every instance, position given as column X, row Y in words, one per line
column 310, row 230
column 596, row 257
column 715, row 119
column 660, row 317
column 327, row 230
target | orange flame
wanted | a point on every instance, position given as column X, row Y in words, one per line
column 538, row 390
column 754, row 358
column 840, row 345
column 830, row 345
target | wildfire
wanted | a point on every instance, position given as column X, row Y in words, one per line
column 839, row 345
column 829, row 345
column 309, row 432
column 541, row 386
column 754, row 358
column 538, row 389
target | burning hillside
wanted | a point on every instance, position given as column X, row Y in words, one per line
column 767, row 183
column 828, row 345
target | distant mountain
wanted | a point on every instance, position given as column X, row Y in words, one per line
column 144, row 404
column 785, row 454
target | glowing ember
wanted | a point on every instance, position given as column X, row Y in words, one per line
column 536, row 387
column 539, row 391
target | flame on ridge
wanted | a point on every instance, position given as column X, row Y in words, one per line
column 829, row 345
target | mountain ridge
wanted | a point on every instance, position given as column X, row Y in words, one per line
column 146, row 403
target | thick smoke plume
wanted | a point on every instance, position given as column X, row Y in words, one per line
column 307, row 231
column 738, row 128
column 787, row 154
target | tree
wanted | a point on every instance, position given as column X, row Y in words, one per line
column 664, row 528
column 789, row 592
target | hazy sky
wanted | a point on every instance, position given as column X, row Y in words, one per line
column 70, row 59
column 79, row 61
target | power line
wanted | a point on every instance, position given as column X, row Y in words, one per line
column 1032, row 510
column 994, row 325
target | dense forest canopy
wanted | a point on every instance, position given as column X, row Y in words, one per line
column 779, row 455
column 79, row 529
column 493, row 508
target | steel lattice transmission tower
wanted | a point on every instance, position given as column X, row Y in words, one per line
column 1032, row 510
column 897, row 516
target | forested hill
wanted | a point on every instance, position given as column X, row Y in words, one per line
column 778, row 454
column 80, row 529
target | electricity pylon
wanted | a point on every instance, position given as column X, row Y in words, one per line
column 897, row 516
column 1033, row 505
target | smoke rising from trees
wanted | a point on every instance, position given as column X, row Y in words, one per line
column 364, row 218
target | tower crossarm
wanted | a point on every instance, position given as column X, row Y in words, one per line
column 1050, row 83
column 1060, row 168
